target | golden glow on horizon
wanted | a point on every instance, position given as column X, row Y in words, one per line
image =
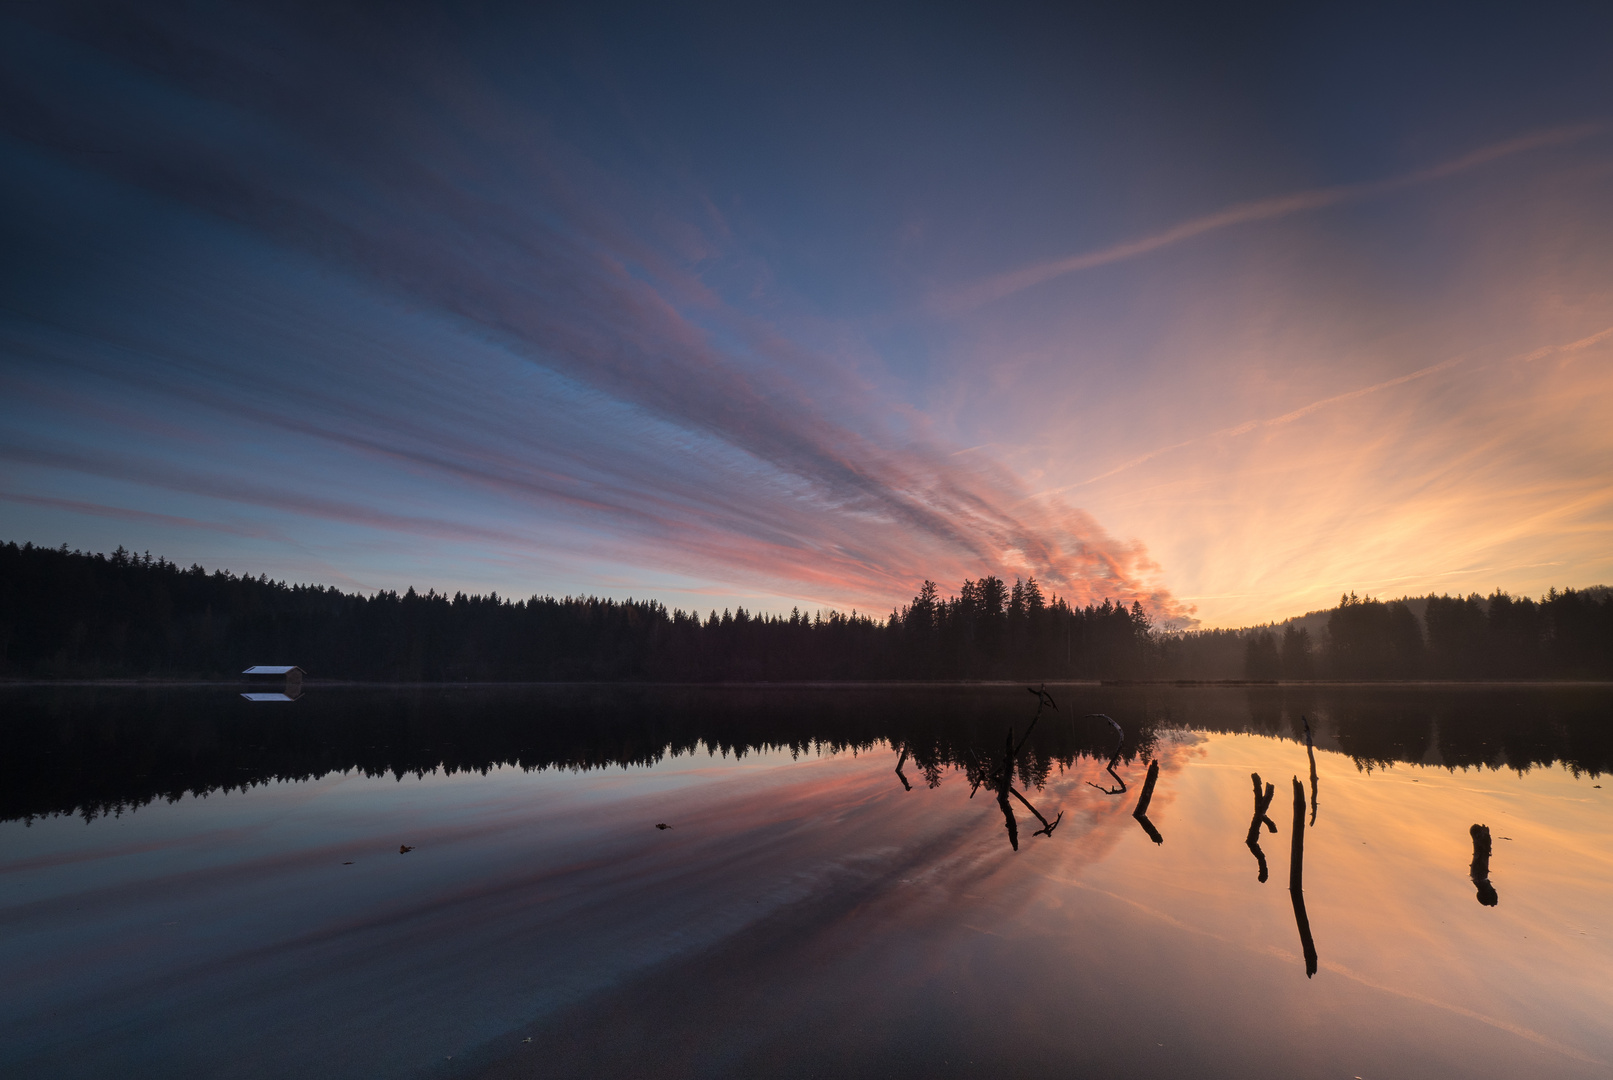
column 1296, row 428
column 1372, row 491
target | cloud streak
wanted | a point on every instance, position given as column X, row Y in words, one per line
column 967, row 298
column 120, row 513
column 1303, row 411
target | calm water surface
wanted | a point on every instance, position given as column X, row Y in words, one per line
column 193, row 885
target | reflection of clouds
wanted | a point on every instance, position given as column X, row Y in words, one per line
column 533, row 348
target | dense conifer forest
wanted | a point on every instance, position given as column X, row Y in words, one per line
column 67, row 614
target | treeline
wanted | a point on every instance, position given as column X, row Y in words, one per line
column 1565, row 635
column 68, row 614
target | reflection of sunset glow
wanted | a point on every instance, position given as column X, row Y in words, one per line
column 1386, row 884
column 813, row 896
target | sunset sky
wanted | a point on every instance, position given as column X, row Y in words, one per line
column 1226, row 311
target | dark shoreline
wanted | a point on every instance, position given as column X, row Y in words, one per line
column 825, row 683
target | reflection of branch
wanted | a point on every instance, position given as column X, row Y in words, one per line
column 1310, row 751
column 1114, row 759
column 1002, row 794
column 1480, row 870
column 1141, row 813
column 1046, row 829
column 1042, row 698
column 899, row 763
column 1296, row 880
column 1120, row 785
column 1005, row 783
column 1262, row 804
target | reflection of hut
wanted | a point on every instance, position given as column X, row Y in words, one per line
column 289, row 676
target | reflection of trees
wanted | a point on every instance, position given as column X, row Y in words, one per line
column 1378, row 725
column 95, row 750
column 1262, row 805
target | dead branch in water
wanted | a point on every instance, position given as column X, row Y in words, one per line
column 1141, row 812
column 1262, row 804
column 1296, row 880
column 1479, row 870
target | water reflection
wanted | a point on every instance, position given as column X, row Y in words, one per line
column 1047, row 826
column 1119, row 786
column 1296, row 880
column 1480, row 867
column 94, row 751
column 1310, row 752
column 1005, row 779
column 1002, row 795
column 776, row 928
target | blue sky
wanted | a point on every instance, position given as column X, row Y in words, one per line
column 1225, row 312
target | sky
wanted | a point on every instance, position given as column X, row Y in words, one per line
column 1222, row 312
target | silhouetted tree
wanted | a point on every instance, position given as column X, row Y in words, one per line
column 1456, row 636
column 1370, row 639
column 1296, row 660
column 1260, row 659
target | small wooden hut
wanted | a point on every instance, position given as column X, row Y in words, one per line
column 288, row 675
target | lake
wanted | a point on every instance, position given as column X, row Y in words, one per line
column 400, row 882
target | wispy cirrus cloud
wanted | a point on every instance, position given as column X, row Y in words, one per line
column 966, row 298
column 125, row 513
column 1293, row 415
